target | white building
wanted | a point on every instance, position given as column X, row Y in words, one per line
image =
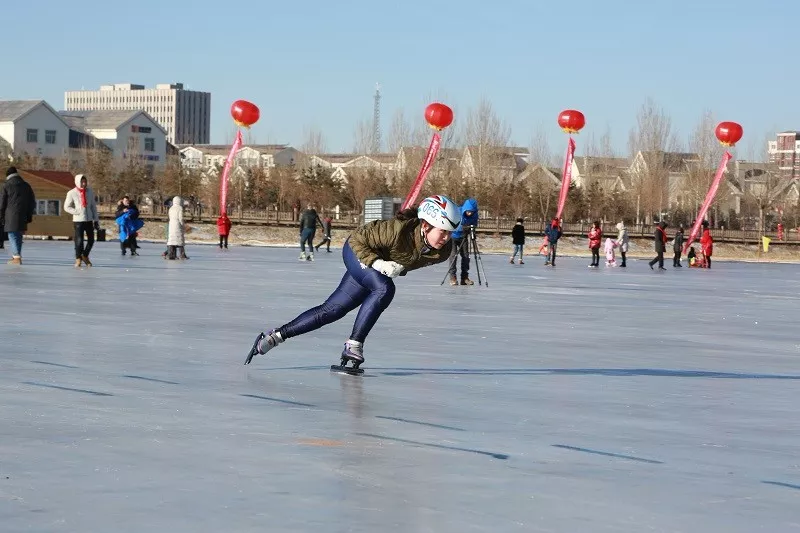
column 129, row 134
column 184, row 114
column 33, row 128
column 784, row 151
column 211, row 157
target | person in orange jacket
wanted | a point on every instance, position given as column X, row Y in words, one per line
column 707, row 243
column 595, row 237
column 224, row 228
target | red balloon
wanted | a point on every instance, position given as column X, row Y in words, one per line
column 571, row 121
column 729, row 133
column 244, row 113
column 438, row 116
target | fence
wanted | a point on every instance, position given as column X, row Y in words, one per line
column 488, row 225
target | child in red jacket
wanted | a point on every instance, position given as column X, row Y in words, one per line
column 224, row 228
column 707, row 244
column 595, row 236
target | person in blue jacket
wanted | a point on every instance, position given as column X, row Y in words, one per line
column 469, row 218
column 553, row 233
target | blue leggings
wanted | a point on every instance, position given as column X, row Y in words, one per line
column 307, row 236
column 360, row 286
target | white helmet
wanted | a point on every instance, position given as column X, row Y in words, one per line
column 440, row 212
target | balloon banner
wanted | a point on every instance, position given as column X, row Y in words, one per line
column 427, row 163
column 223, row 180
column 712, row 192
column 566, row 177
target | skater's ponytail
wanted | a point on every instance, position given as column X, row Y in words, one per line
column 409, row 213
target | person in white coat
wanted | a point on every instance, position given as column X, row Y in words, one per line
column 622, row 241
column 80, row 203
column 176, row 239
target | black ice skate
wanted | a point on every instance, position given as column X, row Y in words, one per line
column 264, row 343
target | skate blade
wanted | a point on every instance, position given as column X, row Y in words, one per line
column 347, row 370
column 254, row 348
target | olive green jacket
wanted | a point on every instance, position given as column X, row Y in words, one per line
column 396, row 240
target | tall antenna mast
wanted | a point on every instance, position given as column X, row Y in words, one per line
column 376, row 121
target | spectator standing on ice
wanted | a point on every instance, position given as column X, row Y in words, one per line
column 595, row 238
column 17, row 206
column 518, row 240
column 224, row 229
column 127, row 218
column 707, row 244
column 176, row 233
column 80, row 203
column 622, row 241
column 660, row 245
column 677, row 248
column 553, row 233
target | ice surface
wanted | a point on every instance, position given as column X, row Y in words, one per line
column 564, row 400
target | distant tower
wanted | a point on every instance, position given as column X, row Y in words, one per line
column 376, row 121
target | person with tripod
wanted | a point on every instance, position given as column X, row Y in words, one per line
column 461, row 241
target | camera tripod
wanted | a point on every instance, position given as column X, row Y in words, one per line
column 469, row 241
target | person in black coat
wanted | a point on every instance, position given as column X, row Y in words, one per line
column 660, row 245
column 518, row 240
column 677, row 247
column 17, row 206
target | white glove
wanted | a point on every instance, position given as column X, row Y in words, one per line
column 388, row 268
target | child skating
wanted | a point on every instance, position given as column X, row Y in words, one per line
column 373, row 255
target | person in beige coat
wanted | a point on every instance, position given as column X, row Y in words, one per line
column 80, row 203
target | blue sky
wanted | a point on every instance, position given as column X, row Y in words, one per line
column 315, row 63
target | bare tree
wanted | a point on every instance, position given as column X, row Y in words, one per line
column 764, row 187
column 314, row 143
column 400, row 132
column 284, row 183
column 540, row 150
column 652, row 137
column 700, row 172
column 541, row 190
column 363, row 183
column 99, row 166
column 363, row 134
column 493, row 167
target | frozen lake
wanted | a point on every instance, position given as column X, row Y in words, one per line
column 562, row 400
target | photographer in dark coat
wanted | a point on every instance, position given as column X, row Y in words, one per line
column 469, row 221
column 17, row 206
